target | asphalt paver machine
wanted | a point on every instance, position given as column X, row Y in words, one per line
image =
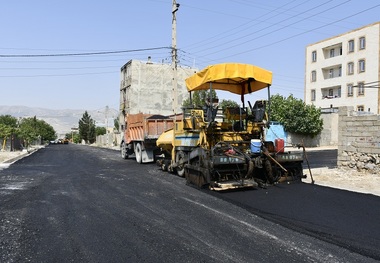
column 226, row 148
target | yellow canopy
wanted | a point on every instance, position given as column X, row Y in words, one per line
column 233, row 77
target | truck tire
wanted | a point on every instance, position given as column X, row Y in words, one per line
column 138, row 152
column 123, row 150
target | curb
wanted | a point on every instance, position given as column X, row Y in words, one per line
column 24, row 154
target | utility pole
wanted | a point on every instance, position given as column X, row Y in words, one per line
column 174, row 68
column 174, row 57
column 106, row 118
column 106, row 115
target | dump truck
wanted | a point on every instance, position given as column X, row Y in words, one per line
column 226, row 148
column 140, row 135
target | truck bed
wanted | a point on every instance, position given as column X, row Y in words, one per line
column 141, row 127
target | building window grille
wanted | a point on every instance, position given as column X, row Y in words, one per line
column 362, row 43
column 360, row 88
column 314, row 56
column 350, row 68
column 313, row 76
column 313, row 95
column 331, row 73
column 332, row 53
column 351, row 46
column 361, row 65
column 350, row 92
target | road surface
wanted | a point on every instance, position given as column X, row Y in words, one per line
column 72, row 203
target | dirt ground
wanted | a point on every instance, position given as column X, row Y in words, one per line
column 351, row 180
column 337, row 178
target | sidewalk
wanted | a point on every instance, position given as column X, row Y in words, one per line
column 7, row 158
column 309, row 149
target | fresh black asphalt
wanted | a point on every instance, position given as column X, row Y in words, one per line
column 72, row 203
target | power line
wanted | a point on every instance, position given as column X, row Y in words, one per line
column 59, row 75
column 233, row 31
column 305, row 32
column 80, row 54
column 73, row 68
column 278, row 23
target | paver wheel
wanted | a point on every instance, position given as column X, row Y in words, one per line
column 179, row 157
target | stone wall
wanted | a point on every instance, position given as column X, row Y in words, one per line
column 359, row 140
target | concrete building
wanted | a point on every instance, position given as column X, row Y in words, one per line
column 345, row 71
column 147, row 87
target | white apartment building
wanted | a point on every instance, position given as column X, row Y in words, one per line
column 345, row 71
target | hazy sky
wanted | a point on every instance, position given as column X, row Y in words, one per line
column 272, row 34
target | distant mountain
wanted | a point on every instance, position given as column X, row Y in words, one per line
column 61, row 120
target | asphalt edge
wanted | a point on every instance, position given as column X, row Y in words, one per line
column 24, row 154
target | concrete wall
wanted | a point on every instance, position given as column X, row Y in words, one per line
column 109, row 140
column 328, row 136
column 359, row 140
column 147, row 87
column 307, row 141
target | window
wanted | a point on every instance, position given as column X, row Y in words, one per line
column 313, row 76
column 339, row 92
column 350, row 68
column 331, row 92
column 331, row 73
column 350, row 92
column 360, row 88
column 332, row 53
column 351, row 46
column 313, row 95
column 314, row 56
column 360, row 108
column 362, row 43
column 361, row 65
column 340, row 71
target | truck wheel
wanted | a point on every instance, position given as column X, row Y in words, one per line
column 138, row 152
column 123, row 151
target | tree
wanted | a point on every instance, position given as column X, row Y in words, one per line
column 8, row 126
column 8, row 120
column 295, row 115
column 87, row 128
column 100, row 131
column 73, row 137
column 199, row 98
column 116, row 124
column 228, row 104
column 32, row 129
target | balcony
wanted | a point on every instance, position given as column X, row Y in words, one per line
column 331, row 72
column 332, row 51
column 329, row 93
